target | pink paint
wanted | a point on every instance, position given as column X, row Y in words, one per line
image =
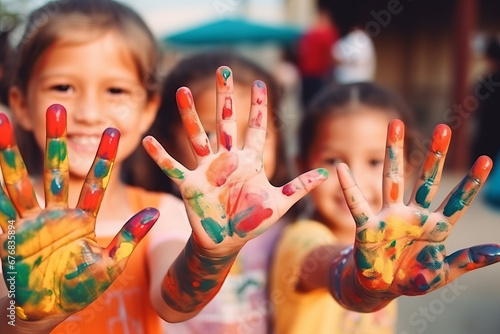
column 227, row 110
column 288, row 190
column 258, row 215
column 226, row 140
column 221, row 168
column 201, row 150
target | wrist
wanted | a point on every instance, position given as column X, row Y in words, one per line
column 219, row 253
column 348, row 291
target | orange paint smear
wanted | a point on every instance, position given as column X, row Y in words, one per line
column 184, row 98
column 396, row 130
column 441, row 138
column 394, row 191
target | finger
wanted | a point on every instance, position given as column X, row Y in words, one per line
column 472, row 258
column 456, row 204
column 196, row 135
column 226, row 117
column 426, row 186
column 14, row 171
column 393, row 180
column 174, row 170
column 56, row 172
column 122, row 245
column 98, row 176
column 7, row 212
column 255, row 137
column 359, row 207
column 300, row 186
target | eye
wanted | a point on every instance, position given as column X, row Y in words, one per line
column 376, row 162
column 61, row 88
column 332, row 161
column 117, row 91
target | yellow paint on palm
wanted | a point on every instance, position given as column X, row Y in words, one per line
column 394, row 228
column 124, row 251
column 382, row 267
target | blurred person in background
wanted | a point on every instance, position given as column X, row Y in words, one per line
column 314, row 52
column 354, row 53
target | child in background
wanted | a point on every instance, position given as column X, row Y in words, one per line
column 242, row 305
column 400, row 251
column 98, row 58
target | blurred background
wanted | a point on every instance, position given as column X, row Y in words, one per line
column 440, row 56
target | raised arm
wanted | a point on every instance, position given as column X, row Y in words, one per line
column 228, row 198
column 52, row 264
column 400, row 250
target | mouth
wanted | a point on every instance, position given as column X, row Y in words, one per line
column 84, row 144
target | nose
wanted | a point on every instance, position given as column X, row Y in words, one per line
column 88, row 109
column 369, row 185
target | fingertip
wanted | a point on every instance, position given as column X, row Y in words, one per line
column 56, row 121
column 108, row 147
column 6, row 133
column 441, row 138
column 224, row 76
column 323, row 173
column 184, row 98
column 482, row 167
column 396, row 130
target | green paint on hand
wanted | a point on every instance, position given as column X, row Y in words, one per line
column 81, row 294
column 361, row 260
column 10, row 158
column 102, row 168
column 173, row 173
column 213, row 229
column 6, row 207
column 361, row 219
column 57, row 150
column 226, row 74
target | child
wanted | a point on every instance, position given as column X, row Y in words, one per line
column 98, row 58
column 242, row 304
column 399, row 251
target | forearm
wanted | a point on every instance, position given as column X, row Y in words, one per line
column 11, row 324
column 347, row 290
column 192, row 281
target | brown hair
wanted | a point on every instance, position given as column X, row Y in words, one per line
column 333, row 99
column 57, row 21
column 52, row 21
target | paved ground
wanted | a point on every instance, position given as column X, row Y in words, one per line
column 472, row 305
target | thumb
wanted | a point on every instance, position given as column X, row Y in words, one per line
column 122, row 245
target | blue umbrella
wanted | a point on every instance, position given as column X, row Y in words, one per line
column 234, row 31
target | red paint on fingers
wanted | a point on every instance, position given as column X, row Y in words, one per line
column 109, row 144
column 441, row 138
column 56, row 121
column 396, row 131
column 184, row 98
column 227, row 110
column 481, row 167
column 6, row 134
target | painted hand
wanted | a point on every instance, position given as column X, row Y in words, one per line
column 52, row 255
column 401, row 249
column 228, row 197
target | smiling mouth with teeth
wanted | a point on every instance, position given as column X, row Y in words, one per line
column 84, row 144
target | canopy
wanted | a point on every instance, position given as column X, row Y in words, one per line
column 234, row 31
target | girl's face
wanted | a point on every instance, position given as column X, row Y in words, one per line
column 97, row 81
column 357, row 139
column 205, row 106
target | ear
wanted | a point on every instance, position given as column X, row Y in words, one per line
column 17, row 103
column 149, row 113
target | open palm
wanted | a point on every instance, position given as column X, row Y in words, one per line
column 228, row 197
column 51, row 254
column 401, row 249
